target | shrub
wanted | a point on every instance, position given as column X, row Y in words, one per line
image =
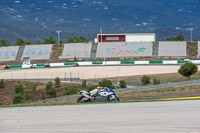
column 49, row 85
column 19, row 89
column 43, row 95
column 57, row 82
column 50, row 90
column 91, row 87
column 84, row 83
column 155, row 81
column 106, row 83
column 2, row 83
column 122, row 83
column 145, row 80
column 70, row 91
column 34, row 87
column 28, row 85
column 27, row 95
column 18, row 98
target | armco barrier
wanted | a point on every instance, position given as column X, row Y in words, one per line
column 156, row 62
column 15, row 66
column 97, row 62
column 69, row 63
column 85, row 63
column 40, row 65
column 111, row 63
column 182, row 62
column 100, row 63
column 170, row 62
column 127, row 62
column 57, row 64
column 141, row 62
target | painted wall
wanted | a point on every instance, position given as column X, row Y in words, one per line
column 140, row 38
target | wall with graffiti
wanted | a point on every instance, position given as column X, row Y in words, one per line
column 8, row 53
column 133, row 49
column 37, row 52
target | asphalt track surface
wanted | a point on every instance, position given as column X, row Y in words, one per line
column 141, row 117
column 88, row 72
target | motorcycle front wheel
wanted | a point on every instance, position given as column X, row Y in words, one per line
column 110, row 99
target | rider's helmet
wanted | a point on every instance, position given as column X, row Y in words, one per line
column 100, row 88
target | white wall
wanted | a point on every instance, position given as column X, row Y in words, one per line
column 140, row 38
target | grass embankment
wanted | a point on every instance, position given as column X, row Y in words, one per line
column 170, row 94
column 164, row 78
column 179, row 92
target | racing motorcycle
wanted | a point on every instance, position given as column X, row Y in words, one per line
column 104, row 95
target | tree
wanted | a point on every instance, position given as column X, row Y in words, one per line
column 49, row 40
column 171, row 38
column 19, row 89
column 122, row 84
column 57, row 82
column 177, row 38
column 106, row 83
column 38, row 42
column 28, row 42
column 145, row 80
column 50, row 90
column 188, row 69
column 20, row 42
column 4, row 42
column 2, row 83
column 76, row 39
column 62, row 42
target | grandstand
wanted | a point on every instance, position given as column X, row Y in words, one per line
column 76, row 50
column 8, row 53
column 37, row 52
column 172, row 49
column 124, row 49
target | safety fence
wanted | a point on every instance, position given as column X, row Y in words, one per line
column 105, row 63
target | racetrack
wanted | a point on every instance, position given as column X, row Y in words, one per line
column 87, row 72
column 142, row 117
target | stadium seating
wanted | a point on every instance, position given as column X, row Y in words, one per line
column 78, row 50
column 173, row 49
column 124, row 49
column 37, row 52
column 8, row 53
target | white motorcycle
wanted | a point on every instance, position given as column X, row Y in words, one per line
column 104, row 95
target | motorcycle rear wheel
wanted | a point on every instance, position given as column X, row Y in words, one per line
column 79, row 100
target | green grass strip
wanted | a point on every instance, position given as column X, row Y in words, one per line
column 159, row 100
